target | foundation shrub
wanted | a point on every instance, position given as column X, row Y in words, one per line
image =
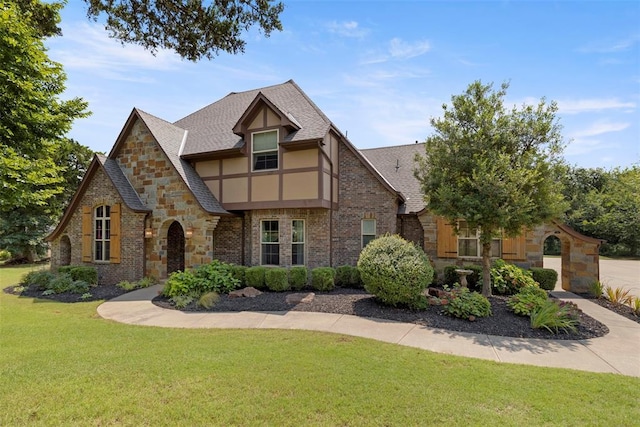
column 394, row 270
column 529, row 298
column 474, row 280
column 276, row 279
column 323, row 279
column 38, row 279
column 213, row 277
column 546, row 277
column 80, row 272
column 554, row 316
column 254, row 276
column 465, row 304
column 79, row 287
column 298, row 277
column 348, row 276
column 239, row 272
column 61, row 283
column 509, row 278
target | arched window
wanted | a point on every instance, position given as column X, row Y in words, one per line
column 102, row 233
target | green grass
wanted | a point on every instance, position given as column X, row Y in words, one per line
column 10, row 276
column 60, row 364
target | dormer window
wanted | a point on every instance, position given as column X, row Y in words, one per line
column 265, row 150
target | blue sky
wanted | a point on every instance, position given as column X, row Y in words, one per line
column 380, row 69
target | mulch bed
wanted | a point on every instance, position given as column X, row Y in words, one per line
column 357, row 302
column 621, row 309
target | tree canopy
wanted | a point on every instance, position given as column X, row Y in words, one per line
column 34, row 122
column 194, row 29
column 495, row 168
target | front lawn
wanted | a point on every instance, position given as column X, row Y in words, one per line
column 60, row 364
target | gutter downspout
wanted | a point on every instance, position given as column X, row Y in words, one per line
column 330, row 202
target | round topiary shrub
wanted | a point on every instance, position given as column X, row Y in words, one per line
column 546, row 277
column 394, row 270
column 276, row 279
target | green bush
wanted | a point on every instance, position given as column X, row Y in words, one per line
column 546, row 277
column 79, row 287
column 239, row 272
column 208, row 300
column 254, row 276
column 474, row 280
column 213, row 277
column 61, row 283
column 4, row 255
column 509, row 278
column 348, row 276
column 40, row 280
column 276, row 279
column 146, row 281
column 554, row 316
column 465, row 304
column 181, row 301
column 394, row 270
column 80, row 272
column 323, row 279
column 298, row 277
column 127, row 285
column 529, row 298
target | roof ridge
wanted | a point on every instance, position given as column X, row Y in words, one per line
column 392, row 146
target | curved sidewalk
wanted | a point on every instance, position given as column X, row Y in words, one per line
column 617, row 352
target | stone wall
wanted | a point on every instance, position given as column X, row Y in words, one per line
column 100, row 191
column 361, row 196
column 161, row 188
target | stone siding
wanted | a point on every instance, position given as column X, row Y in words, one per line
column 100, row 191
column 361, row 196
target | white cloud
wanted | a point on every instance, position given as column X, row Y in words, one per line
column 347, row 29
column 611, row 46
column 87, row 47
column 404, row 50
column 600, row 127
column 576, row 106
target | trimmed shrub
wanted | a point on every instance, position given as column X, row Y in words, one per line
column 254, row 276
column 38, row 279
column 474, row 280
column 394, row 270
column 239, row 272
column 213, row 277
column 276, row 279
column 348, row 276
column 79, row 287
column 323, row 279
column 546, row 277
column 61, row 283
column 80, row 272
column 298, row 277
column 526, row 301
column 465, row 304
column 509, row 278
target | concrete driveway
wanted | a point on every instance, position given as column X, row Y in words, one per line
column 613, row 272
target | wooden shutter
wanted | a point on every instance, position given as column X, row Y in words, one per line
column 114, row 257
column 87, row 233
column 447, row 240
column 514, row 248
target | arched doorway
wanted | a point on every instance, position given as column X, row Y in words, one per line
column 175, row 248
column 554, row 252
column 65, row 250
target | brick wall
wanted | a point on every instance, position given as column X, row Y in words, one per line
column 100, row 191
column 227, row 240
column 410, row 228
column 361, row 196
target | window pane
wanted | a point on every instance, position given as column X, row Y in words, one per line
column 99, row 212
column 270, row 254
column 107, row 211
column 265, row 161
column 369, row 226
column 366, row 239
column 265, row 141
column 107, row 229
column 99, row 251
column 107, row 251
column 297, row 254
column 467, row 247
column 297, row 231
column 496, row 246
column 270, row 231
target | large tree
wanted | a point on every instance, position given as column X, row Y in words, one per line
column 33, row 124
column 493, row 167
column 193, row 28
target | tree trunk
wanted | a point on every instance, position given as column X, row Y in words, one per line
column 486, row 269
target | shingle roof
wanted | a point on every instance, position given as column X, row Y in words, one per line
column 129, row 195
column 211, row 128
column 170, row 138
column 396, row 165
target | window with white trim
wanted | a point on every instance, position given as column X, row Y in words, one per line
column 102, row 233
column 368, row 231
column 265, row 150
column 270, row 243
column 297, row 242
column 469, row 242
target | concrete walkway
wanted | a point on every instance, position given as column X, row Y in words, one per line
column 617, row 352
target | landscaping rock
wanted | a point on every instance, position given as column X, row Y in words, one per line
column 300, row 298
column 248, row 292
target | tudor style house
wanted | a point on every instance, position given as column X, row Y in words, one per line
column 263, row 177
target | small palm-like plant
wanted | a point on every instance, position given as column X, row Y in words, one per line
column 635, row 305
column 596, row 289
column 618, row 295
